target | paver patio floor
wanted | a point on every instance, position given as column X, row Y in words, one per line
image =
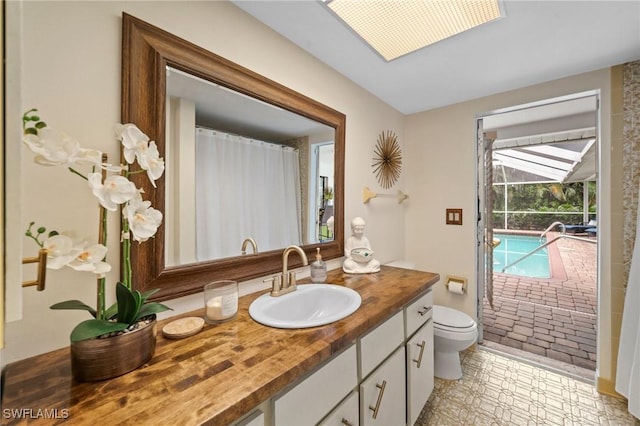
column 555, row 317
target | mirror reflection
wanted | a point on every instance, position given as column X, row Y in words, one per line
column 242, row 175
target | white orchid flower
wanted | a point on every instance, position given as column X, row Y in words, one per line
column 140, row 221
column 55, row 148
column 116, row 190
column 136, row 146
column 86, row 156
column 90, row 259
column 151, row 162
column 134, row 142
column 60, row 251
column 143, row 219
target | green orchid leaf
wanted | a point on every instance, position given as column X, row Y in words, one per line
column 92, row 328
column 152, row 308
column 129, row 304
column 74, row 305
column 149, row 293
column 111, row 312
column 137, row 296
column 126, row 303
column 122, row 284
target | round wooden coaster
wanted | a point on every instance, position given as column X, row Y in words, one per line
column 183, row 327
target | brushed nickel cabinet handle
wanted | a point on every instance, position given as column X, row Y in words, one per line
column 346, row 422
column 419, row 360
column 423, row 311
column 377, row 407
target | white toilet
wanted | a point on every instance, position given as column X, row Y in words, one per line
column 454, row 331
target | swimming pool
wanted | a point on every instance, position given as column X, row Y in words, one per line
column 512, row 248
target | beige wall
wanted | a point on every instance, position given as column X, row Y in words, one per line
column 441, row 173
column 71, row 72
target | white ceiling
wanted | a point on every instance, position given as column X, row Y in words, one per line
column 536, row 41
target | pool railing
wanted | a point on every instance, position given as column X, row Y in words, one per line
column 553, row 225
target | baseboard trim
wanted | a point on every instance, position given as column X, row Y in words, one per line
column 607, row 387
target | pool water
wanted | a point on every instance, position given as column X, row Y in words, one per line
column 512, row 248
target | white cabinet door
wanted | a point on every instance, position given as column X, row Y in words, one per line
column 419, row 371
column 313, row 398
column 345, row 414
column 383, row 394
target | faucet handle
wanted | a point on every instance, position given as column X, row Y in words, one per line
column 276, row 284
column 292, row 280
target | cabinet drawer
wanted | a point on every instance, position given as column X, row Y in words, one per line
column 379, row 343
column 419, row 312
column 315, row 396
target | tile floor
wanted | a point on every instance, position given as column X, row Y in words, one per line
column 500, row 390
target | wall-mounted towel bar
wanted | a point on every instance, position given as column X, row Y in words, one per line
column 368, row 194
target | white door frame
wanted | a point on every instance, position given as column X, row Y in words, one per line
column 482, row 210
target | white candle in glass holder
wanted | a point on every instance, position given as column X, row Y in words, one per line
column 214, row 308
column 221, row 301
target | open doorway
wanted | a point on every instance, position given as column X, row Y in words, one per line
column 537, row 231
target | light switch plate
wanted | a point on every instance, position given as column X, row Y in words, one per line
column 454, row 216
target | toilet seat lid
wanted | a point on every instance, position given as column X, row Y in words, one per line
column 453, row 318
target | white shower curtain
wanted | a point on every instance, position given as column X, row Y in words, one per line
column 245, row 189
column 628, row 373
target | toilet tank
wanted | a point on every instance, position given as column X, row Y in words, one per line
column 401, row 263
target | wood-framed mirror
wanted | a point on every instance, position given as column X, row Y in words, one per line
column 149, row 55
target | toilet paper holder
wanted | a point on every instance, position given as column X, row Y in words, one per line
column 459, row 284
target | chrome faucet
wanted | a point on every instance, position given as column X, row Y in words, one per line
column 249, row 241
column 286, row 282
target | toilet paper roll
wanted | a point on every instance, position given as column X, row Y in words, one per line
column 456, row 287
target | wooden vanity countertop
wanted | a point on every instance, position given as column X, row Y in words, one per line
column 213, row 377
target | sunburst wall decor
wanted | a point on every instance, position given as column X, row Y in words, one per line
column 387, row 159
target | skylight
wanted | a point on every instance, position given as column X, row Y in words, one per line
column 394, row 28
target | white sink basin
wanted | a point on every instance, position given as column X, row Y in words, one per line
column 310, row 305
